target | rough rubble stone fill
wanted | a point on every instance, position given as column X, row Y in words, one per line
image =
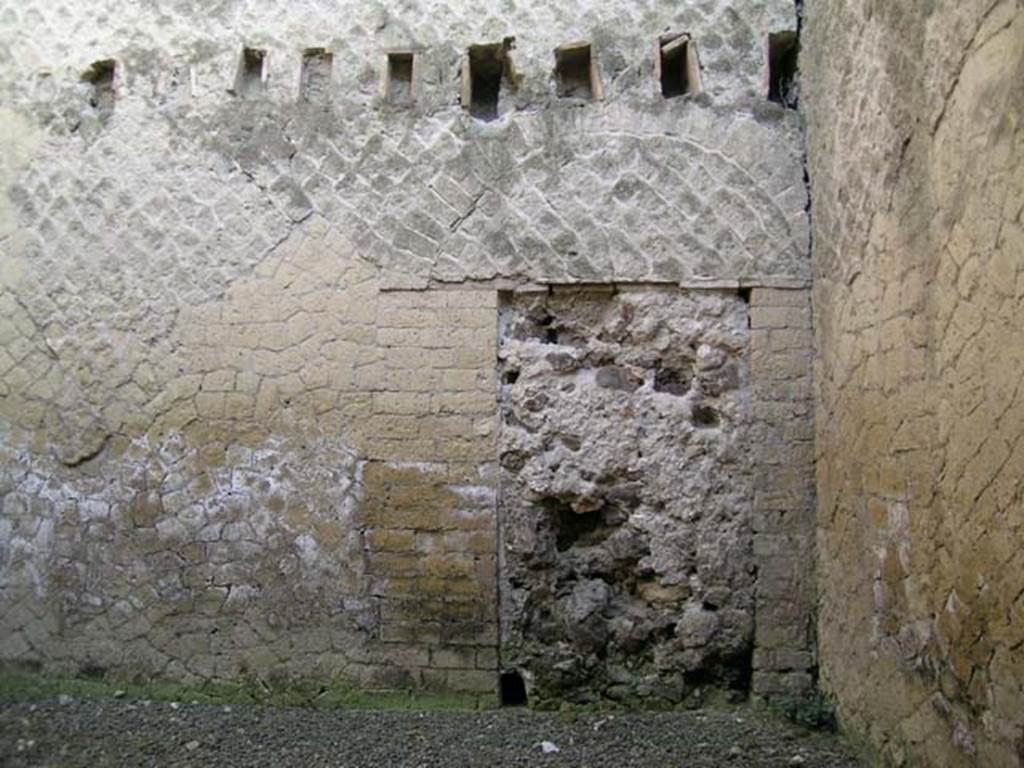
column 627, row 487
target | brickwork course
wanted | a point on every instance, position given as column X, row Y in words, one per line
column 451, row 343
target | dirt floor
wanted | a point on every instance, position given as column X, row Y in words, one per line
column 73, row 733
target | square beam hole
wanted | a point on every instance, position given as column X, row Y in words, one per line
column 486, row 64
column 679, row 67
column 252, row 73
column 575, row 72
column 100, row 78
column 315, row 83
column 399, row 84
column 783, row 55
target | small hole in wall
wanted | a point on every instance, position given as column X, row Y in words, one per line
column 510, row 377
column 90, row 670
column 100, row 77
column 745, row 294
column 512, row 689
column 574, row 528
column 734, row 671
column 399, row 88
column 783, row 55
column 672, row 380
column 486, row 65
column 575, row 72
column 705, row 417
column 679, row 66
column 315, row 83
column 252, row 73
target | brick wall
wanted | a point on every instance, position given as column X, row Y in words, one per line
column 782, row 356
column 429, row 516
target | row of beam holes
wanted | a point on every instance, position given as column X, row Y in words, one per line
column 488, row 67
column 678, row 71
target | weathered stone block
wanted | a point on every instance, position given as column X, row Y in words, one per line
column 472, row 681
column 454, row 658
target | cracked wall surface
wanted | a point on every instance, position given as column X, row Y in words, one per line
column 916, row 156
column 248, row 327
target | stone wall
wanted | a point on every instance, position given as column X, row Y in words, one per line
column 251, row 254
column 656, row 493
column 782, row 442
column 916, row 154
column 313, row 496
column 626, row 477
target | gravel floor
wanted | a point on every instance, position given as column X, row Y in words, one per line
column 73, row 733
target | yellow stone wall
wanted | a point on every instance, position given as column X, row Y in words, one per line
column 916, row 156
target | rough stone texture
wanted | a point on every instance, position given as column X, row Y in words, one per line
column 626, row 471
column 224, row 449
column 916, row 150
